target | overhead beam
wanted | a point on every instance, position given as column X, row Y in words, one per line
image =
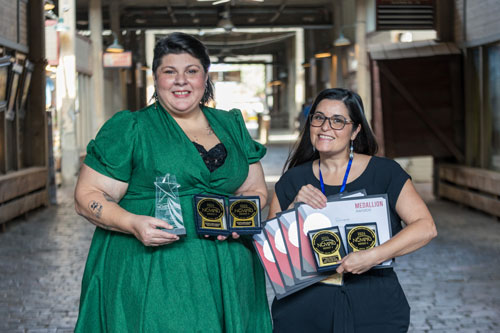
column 134, row 18
column 267, row 10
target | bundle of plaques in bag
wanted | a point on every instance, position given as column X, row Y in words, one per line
column 168, row 205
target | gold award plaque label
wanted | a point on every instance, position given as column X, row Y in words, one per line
column 325, row 242
column 210, row 209
column 361, row 238
column 243, row 209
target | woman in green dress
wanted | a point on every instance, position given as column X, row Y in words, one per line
column 139, row 278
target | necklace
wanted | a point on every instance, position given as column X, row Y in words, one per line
column 208, row 131
column 344, row 182
column 208, row 128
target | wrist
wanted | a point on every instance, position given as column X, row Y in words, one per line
column 128, row 225
column 376, row 256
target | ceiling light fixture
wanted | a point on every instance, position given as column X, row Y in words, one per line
column 49, row 14
column 48, row 5
column 322, row 55
column 225, row 22
column 274, row 83
column 115, row 47
column 342, row 41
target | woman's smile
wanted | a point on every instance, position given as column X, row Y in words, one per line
column 182, row 93
column 325, row 137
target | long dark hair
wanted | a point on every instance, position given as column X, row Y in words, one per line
column 177, row 43
column 365, row 142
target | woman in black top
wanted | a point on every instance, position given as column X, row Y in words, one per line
column 335, row 153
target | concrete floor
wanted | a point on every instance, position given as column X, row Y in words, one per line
column 453, row 284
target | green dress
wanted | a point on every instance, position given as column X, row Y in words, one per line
column 195, row 284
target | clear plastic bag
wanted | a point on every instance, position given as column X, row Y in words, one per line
column 168, row 205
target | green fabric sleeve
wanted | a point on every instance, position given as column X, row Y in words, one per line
column 111, row 152
column 254, row 151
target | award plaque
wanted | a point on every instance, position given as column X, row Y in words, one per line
column 244, row 215
column 327, row 247
column 210, row 215
column 362, row 236
column 168, row 205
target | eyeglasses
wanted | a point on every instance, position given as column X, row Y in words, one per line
column 337, row 122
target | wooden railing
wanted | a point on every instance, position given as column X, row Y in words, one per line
column 473, row 187
column 22, row 191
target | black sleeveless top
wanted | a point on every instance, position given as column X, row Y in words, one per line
column 215, row 157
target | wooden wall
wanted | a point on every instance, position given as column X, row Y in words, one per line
column 473, row 187
column 23, row 121
column 418, row 106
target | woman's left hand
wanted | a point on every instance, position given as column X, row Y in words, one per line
column 358, row 262
column 222, row 238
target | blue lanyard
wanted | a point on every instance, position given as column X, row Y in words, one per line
column 344, row 182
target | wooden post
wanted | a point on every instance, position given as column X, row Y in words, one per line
column 362, row 74
column 66, row 94
column 119, row 75
column 336, row 77
column 35, row 140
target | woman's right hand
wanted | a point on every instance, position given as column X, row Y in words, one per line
column 146, row 229
column 96, row 199
column 310, row 195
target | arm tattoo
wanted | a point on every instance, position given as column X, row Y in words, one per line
column 96, row 208
column 108, row 198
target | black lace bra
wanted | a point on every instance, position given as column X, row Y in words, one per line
column 213, row 158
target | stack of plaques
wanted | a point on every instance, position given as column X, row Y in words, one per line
column 305, row 245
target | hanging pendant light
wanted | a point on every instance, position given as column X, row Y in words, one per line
column 342, row 41
column 225, row 22
column 48, row 5
column 115, row 47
